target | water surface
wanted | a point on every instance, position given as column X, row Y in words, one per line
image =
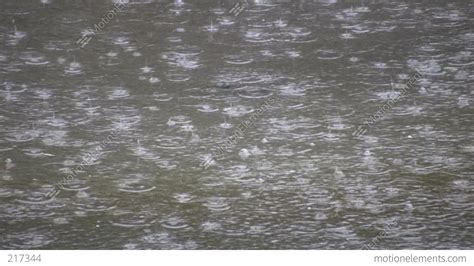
column 174, row 80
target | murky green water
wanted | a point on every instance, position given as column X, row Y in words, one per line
column 105, row 123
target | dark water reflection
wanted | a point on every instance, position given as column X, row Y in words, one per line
column 176, row 79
